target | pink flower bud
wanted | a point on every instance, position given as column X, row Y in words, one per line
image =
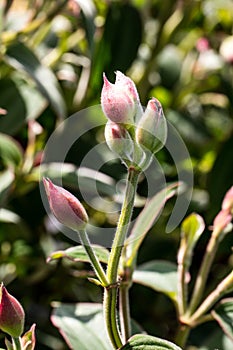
column 151, row 132
column 222, row 220
column 11, row 314
column 65, row 207
column 118, row 140
column 227, row 203
column 120, row 101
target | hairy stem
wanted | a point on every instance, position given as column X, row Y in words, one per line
column 110, row 295
column 16, row 342
column 93, row 258
column 124, row 312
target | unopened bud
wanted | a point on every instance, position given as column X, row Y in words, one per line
column 222, row 221
column 227, row 203
column 65, row 207
column 120, row 101
column 118, row 140
column 11, row 314
column 151, row 132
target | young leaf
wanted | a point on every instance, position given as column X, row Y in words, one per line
column 21, row 57
column 223, row 314
column 145, row 221
column 147, row 342
column 191, row 229
column 78, row 253
column 158, row 275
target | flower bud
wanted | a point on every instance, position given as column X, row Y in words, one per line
column 151, row 132
column 120, row 101
column 65, row 207
column 222, row 221
column 11, row 314
column 118, row 140
column 29, row 339
column 227, row 203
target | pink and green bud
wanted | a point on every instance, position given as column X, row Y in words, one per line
column 11, row 314
column 227, row 203
column 222, row 221
column 28, row 340
column 65, row 207
column 151, row 132
column 118, row 140
column 120, row 101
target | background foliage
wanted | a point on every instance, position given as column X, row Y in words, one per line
column 53, row 54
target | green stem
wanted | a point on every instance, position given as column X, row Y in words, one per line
column 182, row 288
column 123, row 224
column 93, row 258
column 110, row 315
column 224, row 287
column 110, row 296
column 182, row 335
column 124, row 312
column 16, row 342
column 204, row 270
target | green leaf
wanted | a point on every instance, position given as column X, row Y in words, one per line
column 145, row 221
column 191, row 230
column 78, row 253
column 161, row 276
column 82, row 325
column 147, row 342
column 21, row 57
column 89, row 12
column 223, row 314
column 10, row 151
column 6, row 180
column 214, row 339
column 28, row 103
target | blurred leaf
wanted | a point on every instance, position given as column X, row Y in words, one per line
column 161, row 276
column 28, row 103
column 169, row 65
column 9, row 216
column 10, row 151
column 82, row 325
column 119, row 44
column 21, row 57
column 85, row 178
column 215, row 339
column 147, row 342
column 6, row 180
column 221, row 177
column 79, row 254
column 145, row 221
column 223, row 314
column 89, row 11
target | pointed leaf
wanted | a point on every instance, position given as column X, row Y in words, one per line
column 158, row 275
column 145, row 221
column 147, row 342
column 6, row 181
column 21, row 57
column 78, row 253
column 223, row 314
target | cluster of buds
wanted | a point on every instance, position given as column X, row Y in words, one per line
column 135, row 136
column 222, row 222
column 12, row 318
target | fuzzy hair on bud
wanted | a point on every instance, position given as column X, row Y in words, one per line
column 65, row 206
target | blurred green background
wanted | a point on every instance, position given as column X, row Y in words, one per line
column 53, row 55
